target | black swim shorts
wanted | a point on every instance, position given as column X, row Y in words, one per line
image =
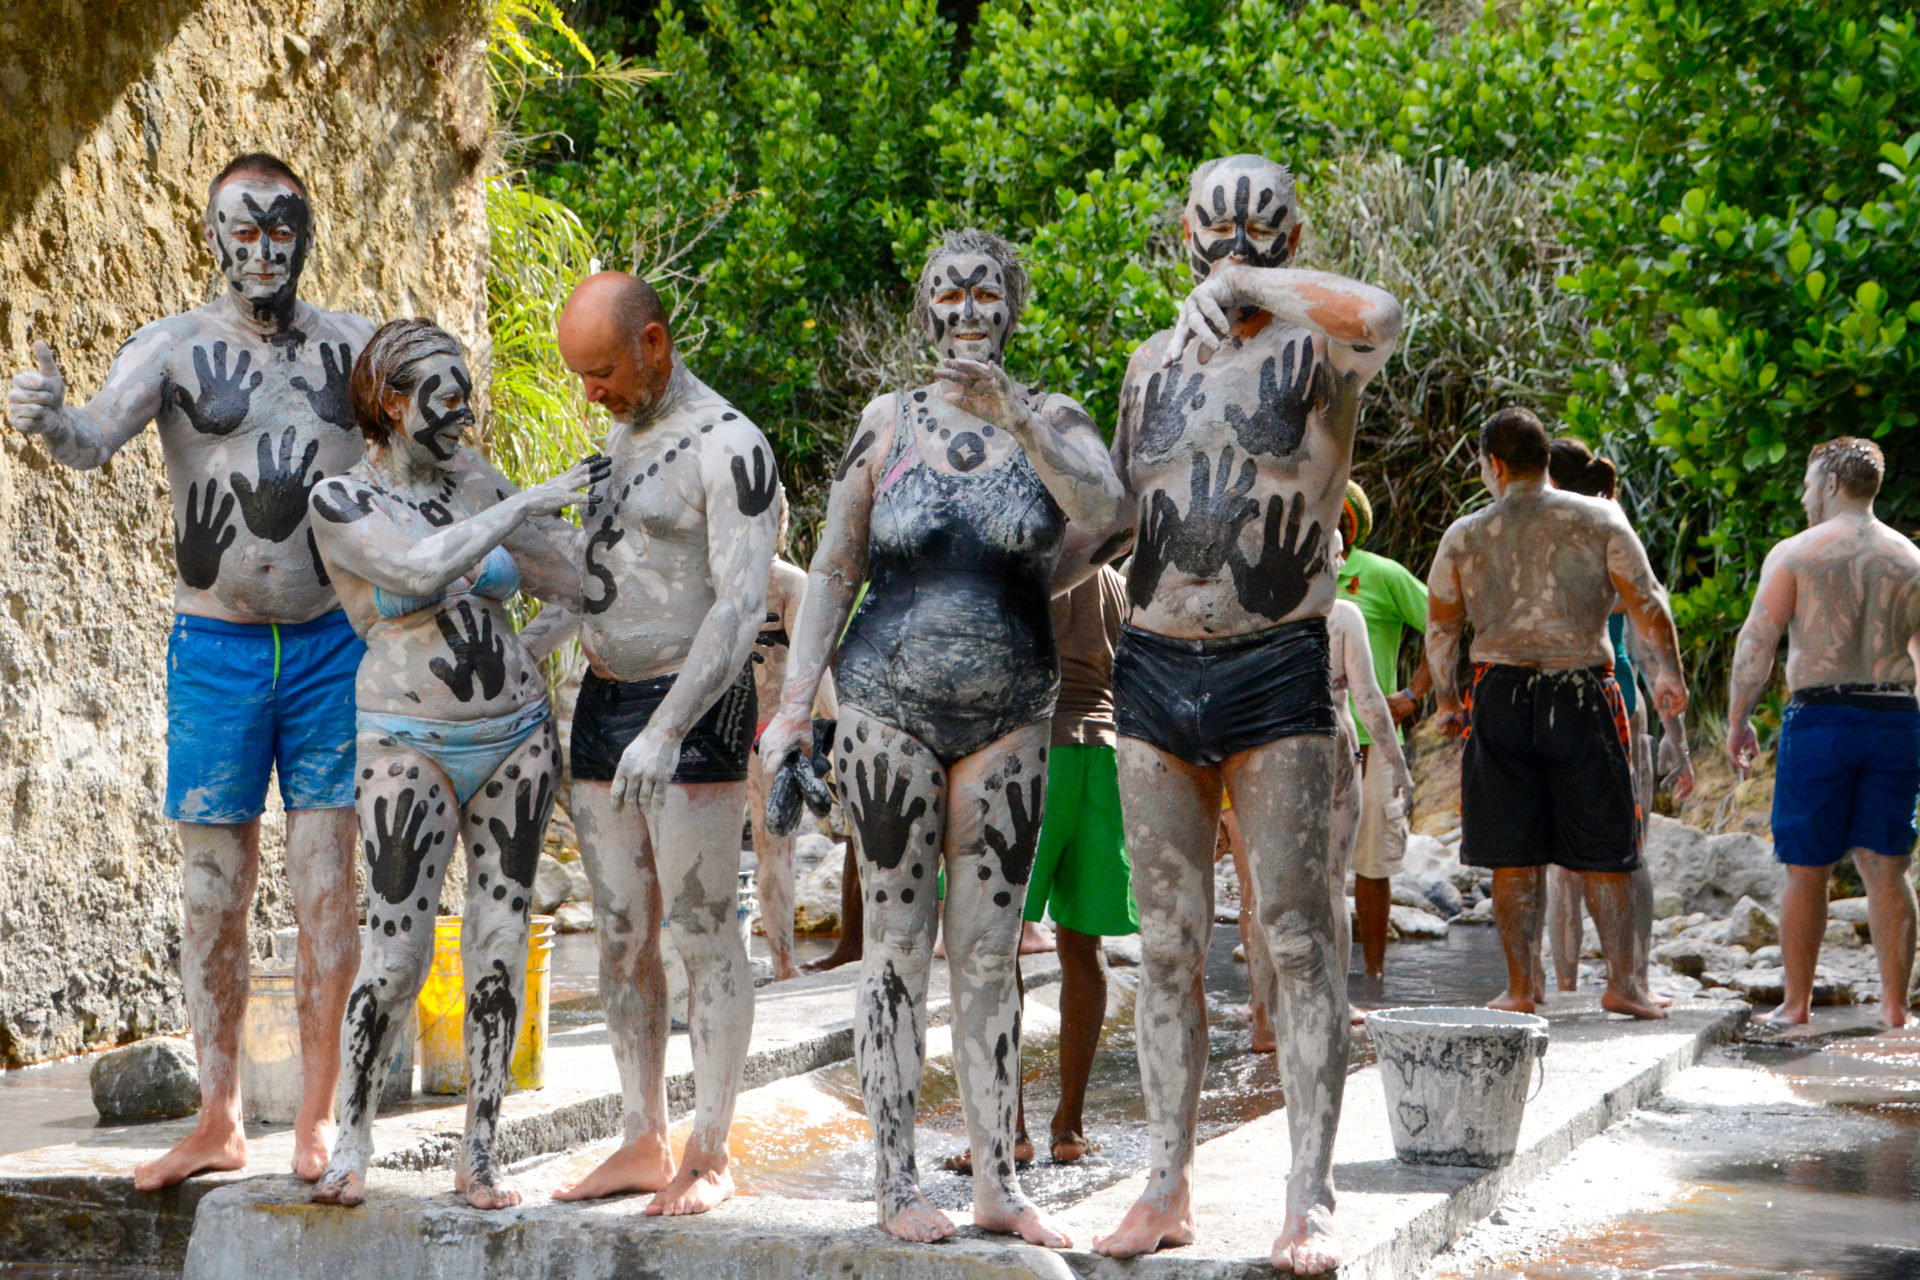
column 612, row 713
column 1546, row 776
column 1206, row 700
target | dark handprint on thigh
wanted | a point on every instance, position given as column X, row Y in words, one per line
column 882, row 813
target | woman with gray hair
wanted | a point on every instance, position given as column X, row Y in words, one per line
column 426, row 542
column 952, row 504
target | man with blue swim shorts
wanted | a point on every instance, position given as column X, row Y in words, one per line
column 1847, row 593
column 250, row 393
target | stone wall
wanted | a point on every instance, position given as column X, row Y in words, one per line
column 113, row 116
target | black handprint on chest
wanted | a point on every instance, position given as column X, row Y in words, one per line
column 1197, row 542
column 402, row 840
column 276, row 506
column 1016, row 851
column 1274, row 585
column 520, row 847
column 605, row 536
column 1164, row 409
column 203, row 535
column 754, row 495
column 478, row 653
column 884, row 816
column 329, row 399
column 224, row 398
column 1279, row 421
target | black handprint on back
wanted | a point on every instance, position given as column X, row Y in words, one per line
column 278, row 506
column 605, row 536
column 400, row 845
column 1279, row 422
column 1274, row 585
column 1016, row 854
column 205, row 536
column 477, row 652
column 520, row 848
column 754, row 495
column 1163, row 414
column 329, row 401
column 223, row 401
column 884, row 817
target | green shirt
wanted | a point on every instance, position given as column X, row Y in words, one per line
column 1389, row 598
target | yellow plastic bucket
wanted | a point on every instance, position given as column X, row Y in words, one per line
column 443, row 1011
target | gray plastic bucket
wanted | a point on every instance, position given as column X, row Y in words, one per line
column 1456, row 1081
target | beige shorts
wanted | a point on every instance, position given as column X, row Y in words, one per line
column 1382, row 845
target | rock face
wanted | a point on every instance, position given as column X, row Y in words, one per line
column 1711, row 873
column 152, row 1080
column 112, row 121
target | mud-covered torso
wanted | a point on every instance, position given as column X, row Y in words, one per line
column 248, row 426
column 1535, row 580
column 1857, row 604
column 1238, row 466
column 962, row 545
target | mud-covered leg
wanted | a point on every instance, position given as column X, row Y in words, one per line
column 773, row 882
column 409, row 823
column 320, row 848
column 1345, row 833
column 1519, row 913
column 506, row 822
column 222, row 868
column 1565, row 894
column 997, row 798
column 616, row 847
column 893, row 788
column 1171, row 815
column 698, row 856
column 1284, row 793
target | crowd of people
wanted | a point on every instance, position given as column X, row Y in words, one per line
column 1037, row 669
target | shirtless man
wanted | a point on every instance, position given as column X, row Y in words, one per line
column 676, row 553
column 1847, row 593
column 250, row 392
column 1234, row 442
column 1546, row 776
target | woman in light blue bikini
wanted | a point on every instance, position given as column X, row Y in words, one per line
column 426, row 542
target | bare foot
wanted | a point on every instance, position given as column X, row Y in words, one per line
column 1147, row 1227
column 1507, row 1002
column 1022, row 1156
column 693, row 1191
column 916, row 1220
column 783, row 968
column 1659, row 1001
column 1035, row 939
column 484, row 1195
column 1620, row 1002
column 312, row 1143
column 344, row 1187
column 1072, row 1147
column 212, row 1147
column 1784, row 1016
column 1893, row 1017
column 845, row 952
column 1023, row 1220
column 1306, row 1245
column 642, row 1165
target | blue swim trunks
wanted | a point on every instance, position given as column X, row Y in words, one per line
column 1847, row 775
column 245, row 699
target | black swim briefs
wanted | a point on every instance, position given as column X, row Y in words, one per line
column 1206, row 700
column 1546, row 776
column 612, row 713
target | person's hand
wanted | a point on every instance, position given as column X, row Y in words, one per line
column 1670, row 695
column 1452, row 719
column 1402, row 786
column 1679, row 779
column 569, row 487
column 1207, row 314
column 785, row 734
column 1402, row 707
column 1742, row 745
column 646, row 767
column 37, row 397
column 985, row 391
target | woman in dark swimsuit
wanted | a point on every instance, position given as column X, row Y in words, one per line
column 953, row 503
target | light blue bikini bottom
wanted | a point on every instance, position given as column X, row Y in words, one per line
column 467, row 751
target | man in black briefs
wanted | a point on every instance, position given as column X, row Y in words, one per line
column 1235, row 439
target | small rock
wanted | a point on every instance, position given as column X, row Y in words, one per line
column 153, row 1079
column 1852, row 910
column 1694, row 957
column 1749, row 925
column 1412, row 922
column 1480, row 912
column 551, row 885
column 1762, row 986
column 573, row 917
column 1841, row 933
column 1765, row 958
column 1124, row 950
column 579, row 888
column 1406, row 892
column 817, row 896
column 1666, row 902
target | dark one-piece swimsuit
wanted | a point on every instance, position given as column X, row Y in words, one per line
column 954, row 640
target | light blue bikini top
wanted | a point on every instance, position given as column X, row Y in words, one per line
column 498, row 579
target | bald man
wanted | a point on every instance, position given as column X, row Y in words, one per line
column 676, row 552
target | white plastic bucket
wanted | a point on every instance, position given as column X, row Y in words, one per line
column 1456, row 1081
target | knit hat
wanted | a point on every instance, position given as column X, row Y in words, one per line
column 1356, row 515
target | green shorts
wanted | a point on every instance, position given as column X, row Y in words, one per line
column 1082, row 876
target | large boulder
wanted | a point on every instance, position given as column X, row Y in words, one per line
column 551, row 885
column 1749, row 925
column 817, row 896
column 573, row 917
column 1412, row 922
column 1695, row 956
column 579, row 888
column 1711, row 873
column 149, row 1080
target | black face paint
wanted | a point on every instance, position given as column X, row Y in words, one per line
column 224, row 399
column 605, row 536
column 1204, row 252
column 1279, row 422
column 329, row 401
column 1275, row 584
column 289, row 210
column 756, row 495
column 400, row 846
column 276, row 507
column 477, row 651
column 520, row 847
column 205, row 537
column 440, row 435
column 1016, row 853
column 884, row 817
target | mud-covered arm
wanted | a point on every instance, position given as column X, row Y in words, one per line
column 1645, row 601
column 1361, row 323
column 1058, row 436
column 85, row 436
column 1675, row 762
column 1753, row 653
column 1370, row 704
column 554, row 627
column 1446, row 620
column 545, row 548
